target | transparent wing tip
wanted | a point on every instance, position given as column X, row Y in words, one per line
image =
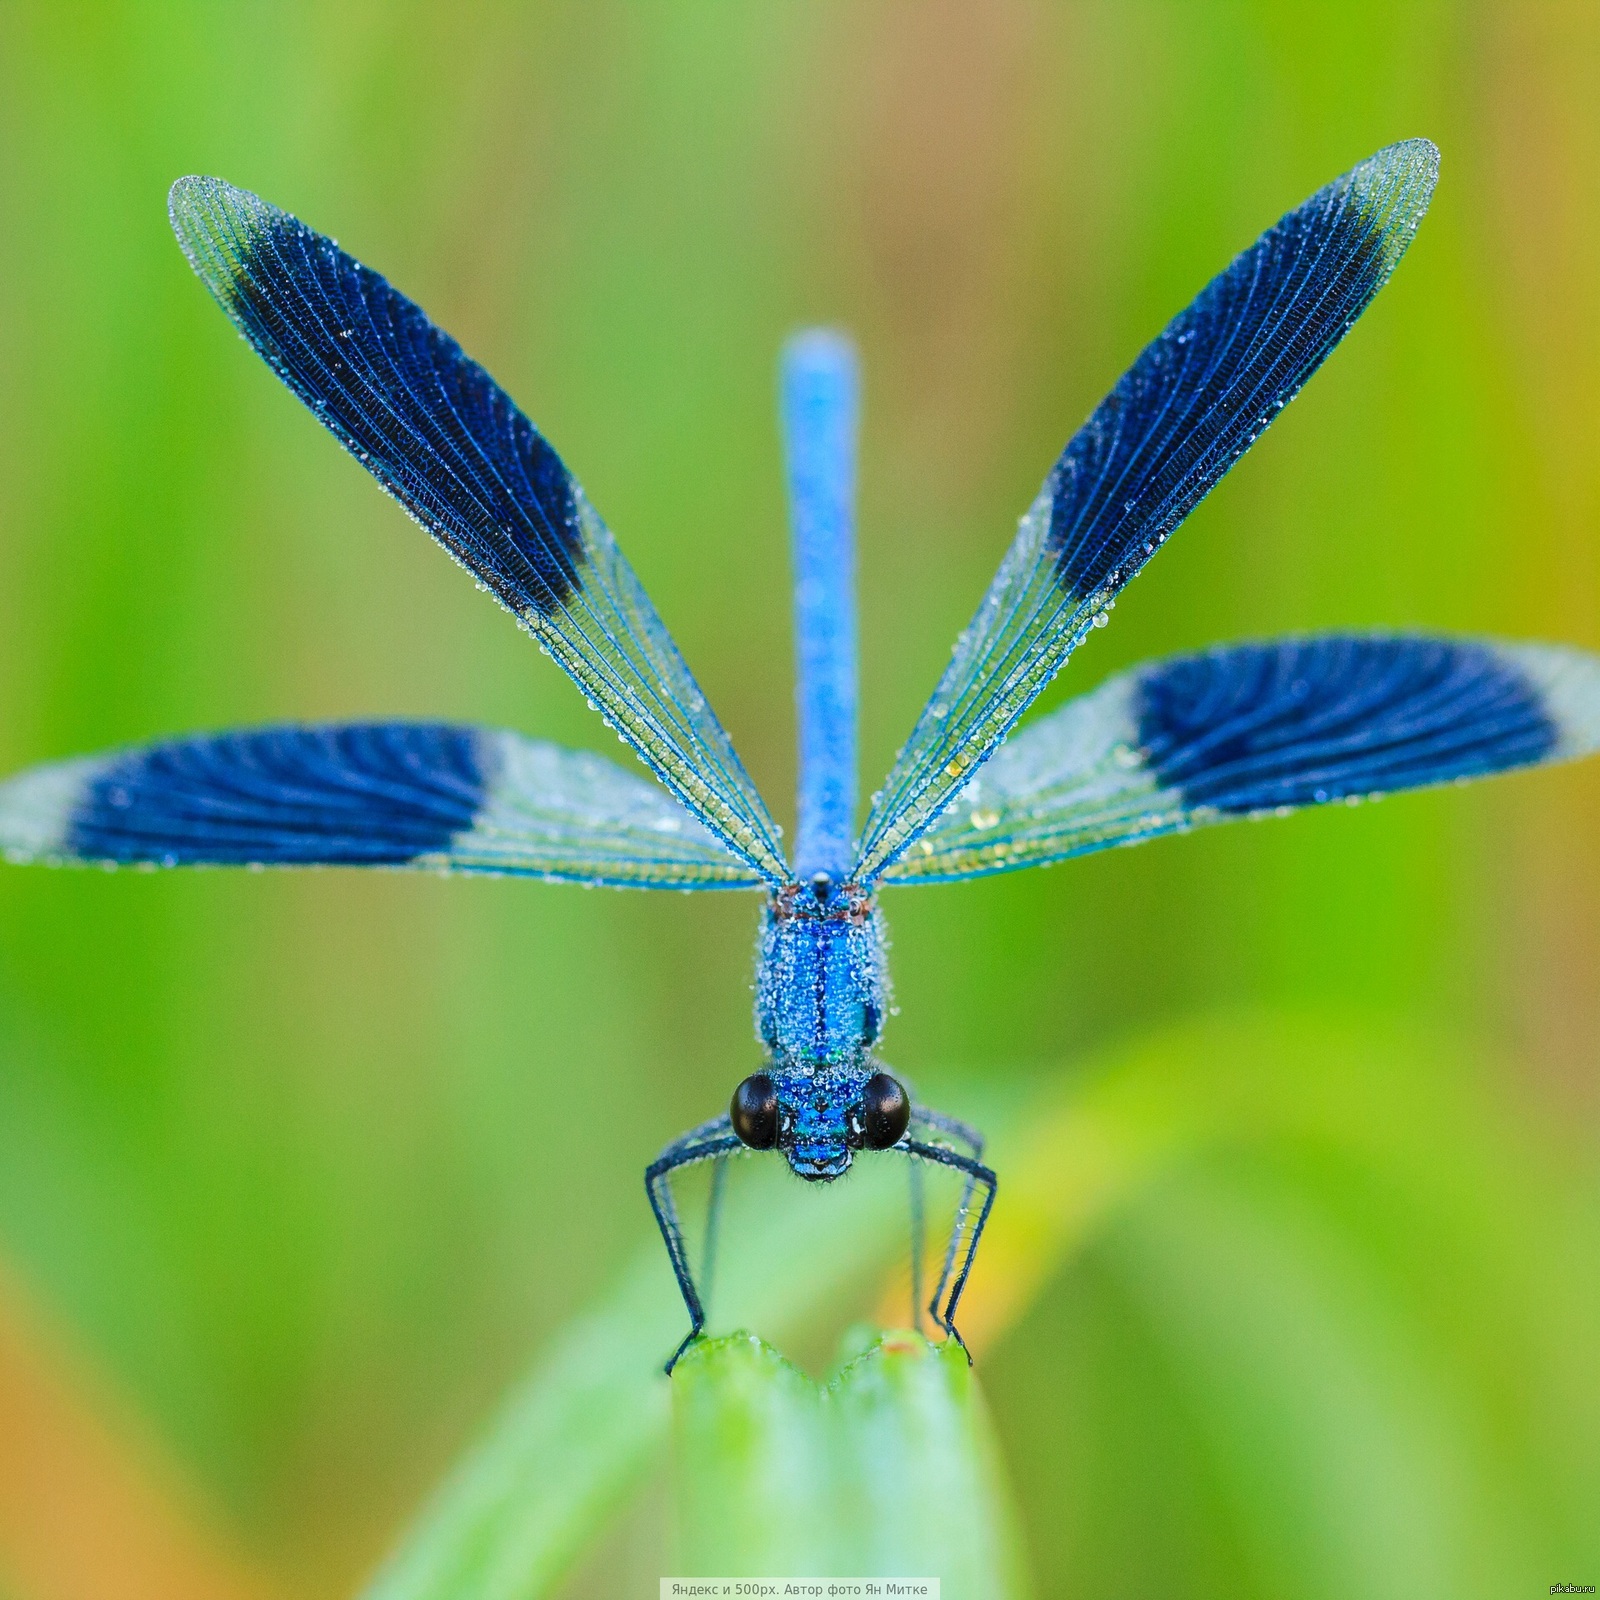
column 1392, row 190
column 1568, row 682
column 184, row 193
column 217, row 225
column 1412, row 161
column 1421, row 154
column 195, row 202
column 36, row 810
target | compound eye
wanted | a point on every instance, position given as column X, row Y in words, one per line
column 754, row 1111
column 885, row 1112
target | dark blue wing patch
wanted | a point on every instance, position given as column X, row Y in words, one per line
column 1255, row 730
column 1202, row 392
column 424, row 418
column 442, row 437
column 435, row 797
column 1186, row 410
column 379, row 794
column 1256, row 727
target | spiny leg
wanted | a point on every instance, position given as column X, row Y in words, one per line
column 951, row 1128
column 975, row 1173
column 708, row 1255
column 947, row 1266
column 965, row 1133
column 705, row 1143
column 919, row 1244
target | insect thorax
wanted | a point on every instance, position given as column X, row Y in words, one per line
column 821, row 981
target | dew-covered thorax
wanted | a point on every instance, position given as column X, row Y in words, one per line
column 821, row 980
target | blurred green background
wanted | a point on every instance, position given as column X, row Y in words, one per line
column 296, row 1172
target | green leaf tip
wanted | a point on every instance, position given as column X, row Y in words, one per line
column 887, row 1469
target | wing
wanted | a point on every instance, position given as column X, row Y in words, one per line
column 449, row 444
column 427, row 795
column 1188, row 408
column 1258, row 730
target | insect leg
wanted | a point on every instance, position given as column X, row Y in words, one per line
column 950, row 1127
column 976, row 1173
column 963, row 1132
column 709, row 1140
column 918, row 1244
column 708, row 1255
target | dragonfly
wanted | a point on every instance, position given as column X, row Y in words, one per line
column 1239, row 731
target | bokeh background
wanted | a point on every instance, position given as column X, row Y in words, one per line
column 298, row 1172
